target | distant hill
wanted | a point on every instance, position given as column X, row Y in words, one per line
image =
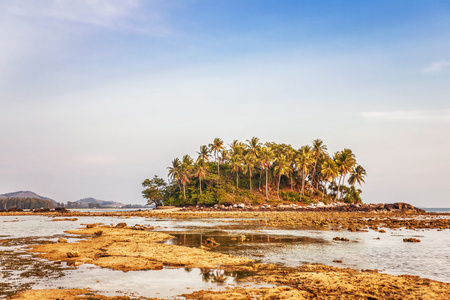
column 91, row 202
column 25, row 200
column 25, row 194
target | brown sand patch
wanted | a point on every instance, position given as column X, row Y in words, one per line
column 326, row 282
column 66, row 294
column 244, row 294
column 65, row 219
column 126, row 249
column 335, row 283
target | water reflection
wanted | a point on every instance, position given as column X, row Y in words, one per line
column 232, row 241
column 165, row 283
column 221, row 276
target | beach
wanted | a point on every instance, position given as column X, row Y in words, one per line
column 226, row 255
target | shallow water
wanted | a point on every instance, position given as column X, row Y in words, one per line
column 429, row 259
column 165, row 283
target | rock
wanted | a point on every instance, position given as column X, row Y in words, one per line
column 411, row 240
column 211, row 243
column 340, row 239
column 382, row 231
column 121, row 225
column 242, row 238
column 73, row 254
column 204, row 248
column 90, row 225
column 98, row 233
column 62, row 240
column 73, row 263
column 337, row 261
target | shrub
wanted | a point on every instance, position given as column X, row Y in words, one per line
column 291, row 196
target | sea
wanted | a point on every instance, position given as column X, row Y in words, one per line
column 436, row 209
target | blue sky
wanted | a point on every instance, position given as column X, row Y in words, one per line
column 96, row 96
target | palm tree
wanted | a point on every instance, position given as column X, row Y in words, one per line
column 303, row 163
column 185, row 172
column 357, row 176
column 249, row 166
column 236, row 164
column 282, row 167
column 318, row 150
column 236, row 148
column 225, row 156
column 345, row 161
column 215, row 148
column 203, row 154
column 201, row 170
column 266, row 160
column 174, row 171
column 290, row 155
column 253, row 146
column 329, row 172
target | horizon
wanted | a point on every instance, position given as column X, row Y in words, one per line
column 97, row 96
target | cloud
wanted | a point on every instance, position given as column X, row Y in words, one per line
column 47, row 33
column 422, row 115
column 129, row 15
column 436, row 67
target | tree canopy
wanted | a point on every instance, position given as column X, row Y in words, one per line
column 154, row 190
column 254, row 172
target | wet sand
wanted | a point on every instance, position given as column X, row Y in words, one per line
column 127, row 249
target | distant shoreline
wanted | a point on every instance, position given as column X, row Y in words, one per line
column 436, row 209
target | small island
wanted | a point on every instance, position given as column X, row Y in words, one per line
column 252, row 173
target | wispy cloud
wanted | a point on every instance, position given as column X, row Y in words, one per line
column 125, row 15
column 425, row 115
column 436, row 67
column 34, row 32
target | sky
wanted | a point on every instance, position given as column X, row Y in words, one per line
column 97, row 95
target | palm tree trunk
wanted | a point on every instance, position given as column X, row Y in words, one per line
column 314, row 172
column 291, row 181
column 343, row 180
column 200, row 186
column 237, row 179
column 259, row 182
column 303, row 184
column 218, row 175
column 250, row 176
column 323, row 191
column 339, row 186
column 278, row 189
column 267, row 188
column 184, row 191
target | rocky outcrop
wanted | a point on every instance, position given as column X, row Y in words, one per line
column 332, row 207
column 411, row 240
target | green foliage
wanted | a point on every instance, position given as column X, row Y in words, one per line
column 307, row 200
column 25, row 203
column 155, row 190
column 207, row 199
column 352, row 195
column 291, row 196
